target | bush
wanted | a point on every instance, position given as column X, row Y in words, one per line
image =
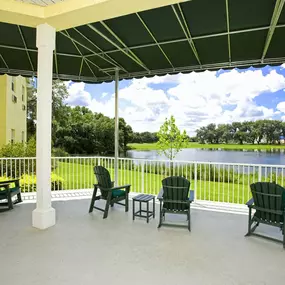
column 14, row 167
column 59, row 152
column 19, row 149
column 29, row 182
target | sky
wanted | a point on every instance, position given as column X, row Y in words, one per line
column 195, row 99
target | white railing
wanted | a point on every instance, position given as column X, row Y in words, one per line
column 221, row 182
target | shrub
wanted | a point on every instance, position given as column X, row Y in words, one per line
column 59, row 152
column 14, row 167
column 29, row 182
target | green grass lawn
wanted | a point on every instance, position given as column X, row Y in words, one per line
column 153, row 146
column 79, row 176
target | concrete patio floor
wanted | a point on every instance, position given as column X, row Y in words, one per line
column 84, row 249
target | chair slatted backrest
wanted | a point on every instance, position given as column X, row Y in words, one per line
column 269, row 201
column 103, row 179
column 176, row 189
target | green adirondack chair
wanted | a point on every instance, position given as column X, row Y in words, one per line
column 175, row 198
column 9, row 189
column 109, row 193
column 268, row 200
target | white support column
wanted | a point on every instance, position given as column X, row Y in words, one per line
column 44, row 214
column 116, row 166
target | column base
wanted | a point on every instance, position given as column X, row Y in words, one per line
column 43, row 219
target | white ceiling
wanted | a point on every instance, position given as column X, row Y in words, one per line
column 41, row 2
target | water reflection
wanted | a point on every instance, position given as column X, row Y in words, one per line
column 271, row 157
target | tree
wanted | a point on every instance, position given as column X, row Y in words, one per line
column 59, row 94
column 201, row 135
column 125, row 135
column 170, row 139
column 144, row 137
column 240, row 132
column 252, row 133
column 211, row 133
column 225, row 132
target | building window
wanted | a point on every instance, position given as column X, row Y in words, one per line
column 13, row 86
column 12, row 135
column 23, row 136
column 23, row 93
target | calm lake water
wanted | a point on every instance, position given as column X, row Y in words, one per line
column 276, row 157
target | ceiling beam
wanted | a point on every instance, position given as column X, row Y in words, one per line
column 216, row 66
column 101, row 51
column 35, row 50
column 4, row 61
column 83, row 58
column 55, row 60
column 274, row 20
column 193, row 38
column 107, row 53
column 228, row 29
column 20, row 13
column 121, row 42
column 89, row 49
column 72, row 13
column 123, row 50
column 24, row 43
column 186, row 31
column 155, row 40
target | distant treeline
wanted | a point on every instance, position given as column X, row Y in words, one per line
column 145, row 137
column 261, row 131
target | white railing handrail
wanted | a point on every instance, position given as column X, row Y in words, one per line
column 224, row 182
column 154, row 160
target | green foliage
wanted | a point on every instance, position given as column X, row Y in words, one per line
column 268, row 131
column 170, row 139
column 59, row 94
column 59, row 152
column 19, row 149
column 85, row 132
column 77, row 130
column 144, row 137
column 9, row 167
column 28, row 183
column 12, row 167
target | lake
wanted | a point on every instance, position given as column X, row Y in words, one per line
column 275, row 157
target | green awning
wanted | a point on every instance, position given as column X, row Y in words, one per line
column 192, row 36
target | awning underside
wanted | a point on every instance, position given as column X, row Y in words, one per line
column 191, row 36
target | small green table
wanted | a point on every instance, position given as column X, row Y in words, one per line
column 144, row 198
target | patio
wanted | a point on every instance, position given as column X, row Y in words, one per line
column 84, row 249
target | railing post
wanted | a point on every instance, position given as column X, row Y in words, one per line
column 259, row 173
column 142, row 174
column 195, row 176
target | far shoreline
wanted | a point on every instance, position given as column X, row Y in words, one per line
column 154, row 146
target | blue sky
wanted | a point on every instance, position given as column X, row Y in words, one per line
column 195, row 99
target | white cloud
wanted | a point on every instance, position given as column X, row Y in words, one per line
column 77, row 95
column 281, row 107
column 196, row 99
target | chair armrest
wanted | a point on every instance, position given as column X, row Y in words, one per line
column 250, row 202
column 191, row 196
column 16, row 181
column 6, row 186
column 127, row 186
column 160, row 194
